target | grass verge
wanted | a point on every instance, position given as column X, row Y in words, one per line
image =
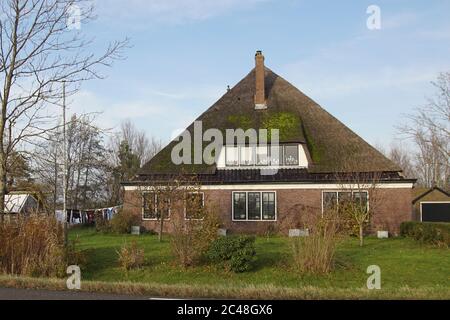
column 267, row 292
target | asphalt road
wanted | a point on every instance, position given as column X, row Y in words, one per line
column 33, row 294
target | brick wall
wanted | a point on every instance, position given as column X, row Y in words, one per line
column 392, row 206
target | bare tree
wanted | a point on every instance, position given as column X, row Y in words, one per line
column 138, row 142
column 402, row 157
column 38, row 51
column 131, row 149
column 359, row 196
column 429, row 128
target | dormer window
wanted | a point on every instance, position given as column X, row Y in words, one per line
column 245, row 156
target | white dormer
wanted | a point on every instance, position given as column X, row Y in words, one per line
column 259, row 157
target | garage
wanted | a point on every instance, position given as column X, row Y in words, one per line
column 435, row 211
column 431, row 205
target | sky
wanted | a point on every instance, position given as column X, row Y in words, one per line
column 184, row 53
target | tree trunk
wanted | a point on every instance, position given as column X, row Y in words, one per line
column 161, row 224
column 361, row 235
column 2, row 186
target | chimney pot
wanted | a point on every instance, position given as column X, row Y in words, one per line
column 260, row 96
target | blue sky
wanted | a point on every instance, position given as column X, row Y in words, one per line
column 185, row 53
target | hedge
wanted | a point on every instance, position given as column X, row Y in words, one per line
column 436, row 233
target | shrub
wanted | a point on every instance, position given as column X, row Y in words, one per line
column 435, row 233
column 101, row 224
column 123, row 221
column 131, row 256
column 237, row 253
column 33, row 246
column 315, row 252
column 191, row 239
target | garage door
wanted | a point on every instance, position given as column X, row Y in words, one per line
column 435, row 211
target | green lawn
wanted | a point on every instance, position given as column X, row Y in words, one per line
column 403, row 262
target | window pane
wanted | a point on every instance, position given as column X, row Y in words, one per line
column 194, row 206
column 329, row 200
column 239, row 206
column 254, row 206
column 291, row 155
column 247, row 156
column 360, row 198
column 232, row 156
column 163, row 206
column 262, row 156
column 149, row 206
column 276, row 155
column 268, row 205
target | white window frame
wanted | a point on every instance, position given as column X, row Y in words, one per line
column 429, row 202
column 155, row 194
column 261, row 205
column 203, row 204
column 344, row 190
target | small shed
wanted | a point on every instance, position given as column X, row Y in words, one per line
column 431, row 205
column 23, row 203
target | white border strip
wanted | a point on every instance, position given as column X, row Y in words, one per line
column 260, row 187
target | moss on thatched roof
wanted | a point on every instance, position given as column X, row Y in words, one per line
column 298, row 118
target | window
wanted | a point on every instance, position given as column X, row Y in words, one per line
column 247, row 156
column 268, row 207
column 194, row 205
column 154, row 206
column 291, row 155
column 149, row 206
column 239, row 206
column 262, row 156
column 329, row 200
column 232, row 156
column 254, row 206
column 360, row 198
column 276, row 153
column 338, row 199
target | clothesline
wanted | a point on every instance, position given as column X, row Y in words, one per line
column 87, row 216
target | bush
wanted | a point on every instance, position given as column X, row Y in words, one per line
column 131, row 256
column 101, row 224
column 435, row 233
column 315, row 252
column 237, row 253
column 123, row 221
column 191, row 239
column 33, row 246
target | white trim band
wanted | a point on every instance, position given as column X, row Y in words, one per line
column 325, row 186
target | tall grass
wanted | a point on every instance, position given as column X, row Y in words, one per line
column 316, row 252
column 33, row 246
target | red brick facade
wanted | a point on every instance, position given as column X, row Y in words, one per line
column 391, row 207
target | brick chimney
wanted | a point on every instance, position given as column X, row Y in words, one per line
column 260, row 97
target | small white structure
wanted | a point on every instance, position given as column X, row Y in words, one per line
column 23, row 203
column 383, row 234
column 222, row 232
column 136, row 230
column 298, row 232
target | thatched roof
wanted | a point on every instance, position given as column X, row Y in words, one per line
column 329, row 142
